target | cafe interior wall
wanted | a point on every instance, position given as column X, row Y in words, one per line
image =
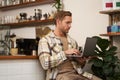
column 27, row 32
column 87, row 21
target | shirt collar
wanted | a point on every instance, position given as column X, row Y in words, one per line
column 51, row 34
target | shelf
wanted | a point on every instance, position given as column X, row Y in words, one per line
column 29, row 23
column 116, row 11
column 110, row 34
column 27, row 4
column 17, row 57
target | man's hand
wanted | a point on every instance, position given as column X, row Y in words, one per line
column 72, row 51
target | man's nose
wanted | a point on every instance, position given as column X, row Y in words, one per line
column 69, row 25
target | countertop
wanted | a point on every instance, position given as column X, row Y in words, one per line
column 18, row 57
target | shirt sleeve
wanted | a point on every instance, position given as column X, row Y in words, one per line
column 46, row 59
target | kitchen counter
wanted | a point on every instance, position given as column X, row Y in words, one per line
column 18, row 57
column 21, row 67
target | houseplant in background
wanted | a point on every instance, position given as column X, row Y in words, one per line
column 106, row 64
column 58, row 5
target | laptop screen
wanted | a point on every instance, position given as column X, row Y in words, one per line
column 89, row 47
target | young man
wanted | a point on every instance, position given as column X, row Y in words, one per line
column 54, row 48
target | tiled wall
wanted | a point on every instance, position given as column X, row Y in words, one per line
column 21, row 70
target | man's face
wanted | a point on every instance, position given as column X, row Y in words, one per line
column 65, row 24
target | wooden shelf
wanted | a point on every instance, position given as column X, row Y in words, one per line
column 17, row 57
column 29, row 23
column 110, row 34
column 116, row 11
column 27, row 4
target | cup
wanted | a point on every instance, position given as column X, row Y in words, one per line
column 14, row 51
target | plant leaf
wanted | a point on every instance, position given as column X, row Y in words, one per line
column 97, row 71
column 108, row 58
column 107, row 70
column 108, row 66
column 103, row 44
column 98, row 63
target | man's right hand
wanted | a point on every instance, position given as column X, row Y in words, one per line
column 72, row 52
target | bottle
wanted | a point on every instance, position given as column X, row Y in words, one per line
column 34, row 51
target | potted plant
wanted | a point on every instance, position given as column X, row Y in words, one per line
column 58, row 5
column 106, row 64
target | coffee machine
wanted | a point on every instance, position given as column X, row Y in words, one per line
column 26, row 46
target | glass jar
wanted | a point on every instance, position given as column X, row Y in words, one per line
column 4, row 40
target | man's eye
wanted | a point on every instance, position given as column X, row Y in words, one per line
column 68, row 22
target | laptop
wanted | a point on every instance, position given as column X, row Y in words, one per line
column 89, row 48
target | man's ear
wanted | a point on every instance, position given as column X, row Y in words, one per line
column 57, row 21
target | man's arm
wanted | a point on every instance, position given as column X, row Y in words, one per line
column 47, row 60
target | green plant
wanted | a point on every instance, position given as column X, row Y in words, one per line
column 58, row 5
column 106, row 64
